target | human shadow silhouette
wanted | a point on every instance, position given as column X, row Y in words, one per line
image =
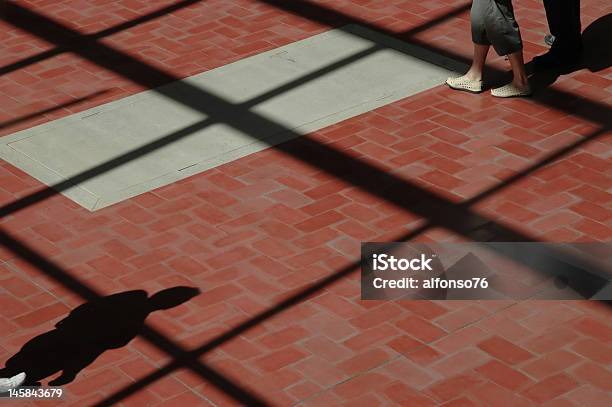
column 596, row 56
column 88, row 331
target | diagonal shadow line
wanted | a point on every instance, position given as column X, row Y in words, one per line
column 87, row 293
column 240, row 118
column 246, row 120
column 311, row 290
column 82, row 39
column 554, row 98
column 549, row 159
column 159, row 13
column 162, row 12
column 73, row 102
column 560, row 100
column 74, row 181
column 389, row 187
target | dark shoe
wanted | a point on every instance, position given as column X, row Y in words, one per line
column 556, row 61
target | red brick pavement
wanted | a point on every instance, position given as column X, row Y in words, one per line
column 252, row 232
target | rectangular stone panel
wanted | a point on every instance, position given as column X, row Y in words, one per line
column 162, row 135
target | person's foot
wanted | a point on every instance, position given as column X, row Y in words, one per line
column 9, row 383
column 512, row 90
column 466, row 83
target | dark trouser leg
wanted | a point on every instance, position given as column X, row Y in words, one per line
column 564, row 23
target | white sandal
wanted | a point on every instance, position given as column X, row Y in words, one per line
column 9, row 383
column 511, row 91
column 465, row 84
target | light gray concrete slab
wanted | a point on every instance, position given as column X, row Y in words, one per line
column 302, row 87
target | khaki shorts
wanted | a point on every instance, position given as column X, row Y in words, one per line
column 493, row 24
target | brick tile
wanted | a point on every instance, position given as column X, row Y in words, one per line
column 217, row 294
column 520, row 149
column 551, row 387
column 463, row 338
column 596, row 375
column 459, row 362
column 516, row 212
column 376, row 316
column 592, row 327
column 18, row 286
column 553, row 362
column 370, row 337
column 460, row 318
column 359, row 385
column 93, row 383
column 424, row 355
column 460, row 402
column 451, row 122
column 589, row 193
column 319, row 221
column 423, row 308
column 442, row 180
column 503, row 375
column 556, row 219
column 505, row 327
column 404, row 344
column 447, row 389
column 587, row 395
column 491, row 394
column 12, row 307
column 272, row 248
column 591, row 161
column 504, row 350
column 592, row 211
column 118, row 249
column 594, row 229
column 448, row 150
column 594, row 350
column 278, row 359
column 184, row 399
column 110, row 267
column 400, row 394
column 52, row 232
column 241, row 349
column 364, row 361
column 551, row 339
column 285, row 337
column 42, row 315
column 420, row 329
column 321, row 371
column 326, row 349
column 308, row 257
column 355, row 230
column 304, row 390
column 135, row 215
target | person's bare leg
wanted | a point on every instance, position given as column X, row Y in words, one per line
column 478, row 63
column 520, row 79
